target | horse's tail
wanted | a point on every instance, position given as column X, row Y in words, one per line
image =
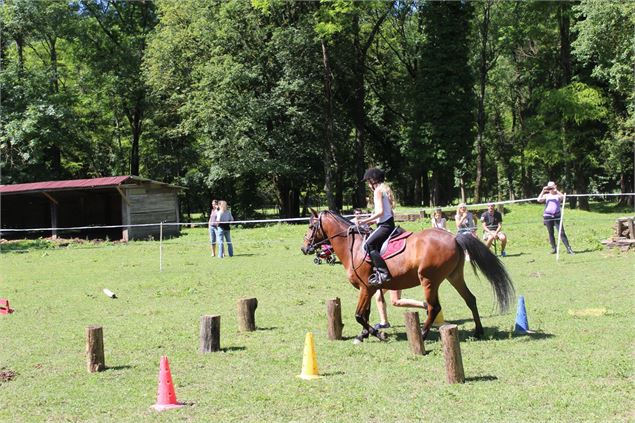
column 483, row 259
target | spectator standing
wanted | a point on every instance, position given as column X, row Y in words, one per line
column 551, row 214
column 223, row 232
column 492, row 224
column 211, row 226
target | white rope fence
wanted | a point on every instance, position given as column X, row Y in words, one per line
column 297, row 220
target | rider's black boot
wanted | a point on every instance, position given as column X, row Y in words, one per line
column 381, row 274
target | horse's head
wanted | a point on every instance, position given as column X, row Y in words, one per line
column 315, row 233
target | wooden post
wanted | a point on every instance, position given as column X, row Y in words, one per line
column 452, row 353
column 95, row 361
column 334, row 314
column 413, row 330
column 246, row 314
column 210, row 334
column 161, row 247
column 629, row 224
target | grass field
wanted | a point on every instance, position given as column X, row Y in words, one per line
column 576, row 367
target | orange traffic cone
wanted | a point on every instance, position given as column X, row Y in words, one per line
column 166, row 398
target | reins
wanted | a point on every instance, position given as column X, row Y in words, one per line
column 346, row 231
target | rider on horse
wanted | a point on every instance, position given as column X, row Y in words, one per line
column 383, row 215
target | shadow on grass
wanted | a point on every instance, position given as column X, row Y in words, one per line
column 26, row 245
column 338, row 373
column 270, row 328
column 230, row 349
column 491, row 334
column 485, row 378
column 588, row 250
column 514, row 255
column 607, row 207
column 115, row 368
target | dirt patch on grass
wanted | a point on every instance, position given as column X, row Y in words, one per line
column 7, row 375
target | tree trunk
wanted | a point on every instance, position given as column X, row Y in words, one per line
column 53, row 151
column 480, row 117
column 581, row 186
column 136, row 120
column 329, row 154
column 418, row 188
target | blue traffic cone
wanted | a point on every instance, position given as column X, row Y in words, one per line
column 522, row 326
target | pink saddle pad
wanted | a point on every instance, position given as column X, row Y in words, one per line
column 396, row 245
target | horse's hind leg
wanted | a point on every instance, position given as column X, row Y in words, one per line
column 457, row 280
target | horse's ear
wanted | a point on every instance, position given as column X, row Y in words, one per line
column 313, row 212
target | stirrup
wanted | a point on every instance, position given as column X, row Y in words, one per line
column 375, row 280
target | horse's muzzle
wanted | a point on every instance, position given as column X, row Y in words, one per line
column 307, row 250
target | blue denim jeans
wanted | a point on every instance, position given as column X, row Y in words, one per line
column 224, row 235
column 212, row 235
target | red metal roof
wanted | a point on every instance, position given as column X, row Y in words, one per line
column 111, row 181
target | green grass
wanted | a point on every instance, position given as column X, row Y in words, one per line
column 571, row 369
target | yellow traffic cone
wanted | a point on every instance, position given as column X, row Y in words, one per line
column 438, row 321
column 309, row 361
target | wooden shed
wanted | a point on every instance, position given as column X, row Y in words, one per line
column 90, row 208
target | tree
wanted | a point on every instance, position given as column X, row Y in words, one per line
column 115, row 40
column 447, row 104
column 605, row 45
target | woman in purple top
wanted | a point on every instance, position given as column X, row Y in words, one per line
column 551, row 215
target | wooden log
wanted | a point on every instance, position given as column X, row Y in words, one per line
column 210, row 334
column 246, row 314
column 413, row 331
column 452, row 353
column 95, row 361
column 334, row 314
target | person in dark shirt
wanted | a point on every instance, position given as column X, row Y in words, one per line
column 492, row 223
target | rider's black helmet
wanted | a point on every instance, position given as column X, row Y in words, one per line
column 374, row 174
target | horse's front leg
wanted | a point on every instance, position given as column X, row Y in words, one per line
column 362, row 314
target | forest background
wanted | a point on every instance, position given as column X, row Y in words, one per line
column 284, row 103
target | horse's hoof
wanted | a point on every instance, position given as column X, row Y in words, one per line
column 357, row 341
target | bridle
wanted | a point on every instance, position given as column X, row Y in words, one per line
column 315, row 227
column 310, row 240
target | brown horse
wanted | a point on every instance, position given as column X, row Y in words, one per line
column 430, row 257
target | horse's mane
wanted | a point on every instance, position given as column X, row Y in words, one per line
column 339, row 217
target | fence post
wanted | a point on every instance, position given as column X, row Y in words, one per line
column 452, row 353
column 209, row 334
column 95, row 361
column 246, row 314
column 413, row 331
column 334, row 314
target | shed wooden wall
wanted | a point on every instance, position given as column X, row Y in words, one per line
column 150, row 204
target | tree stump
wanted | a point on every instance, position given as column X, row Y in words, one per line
column 452, row 353
column 210, row 334
column 246, row 314
column 334, row 314
column 95, row 361
column 413, row 331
